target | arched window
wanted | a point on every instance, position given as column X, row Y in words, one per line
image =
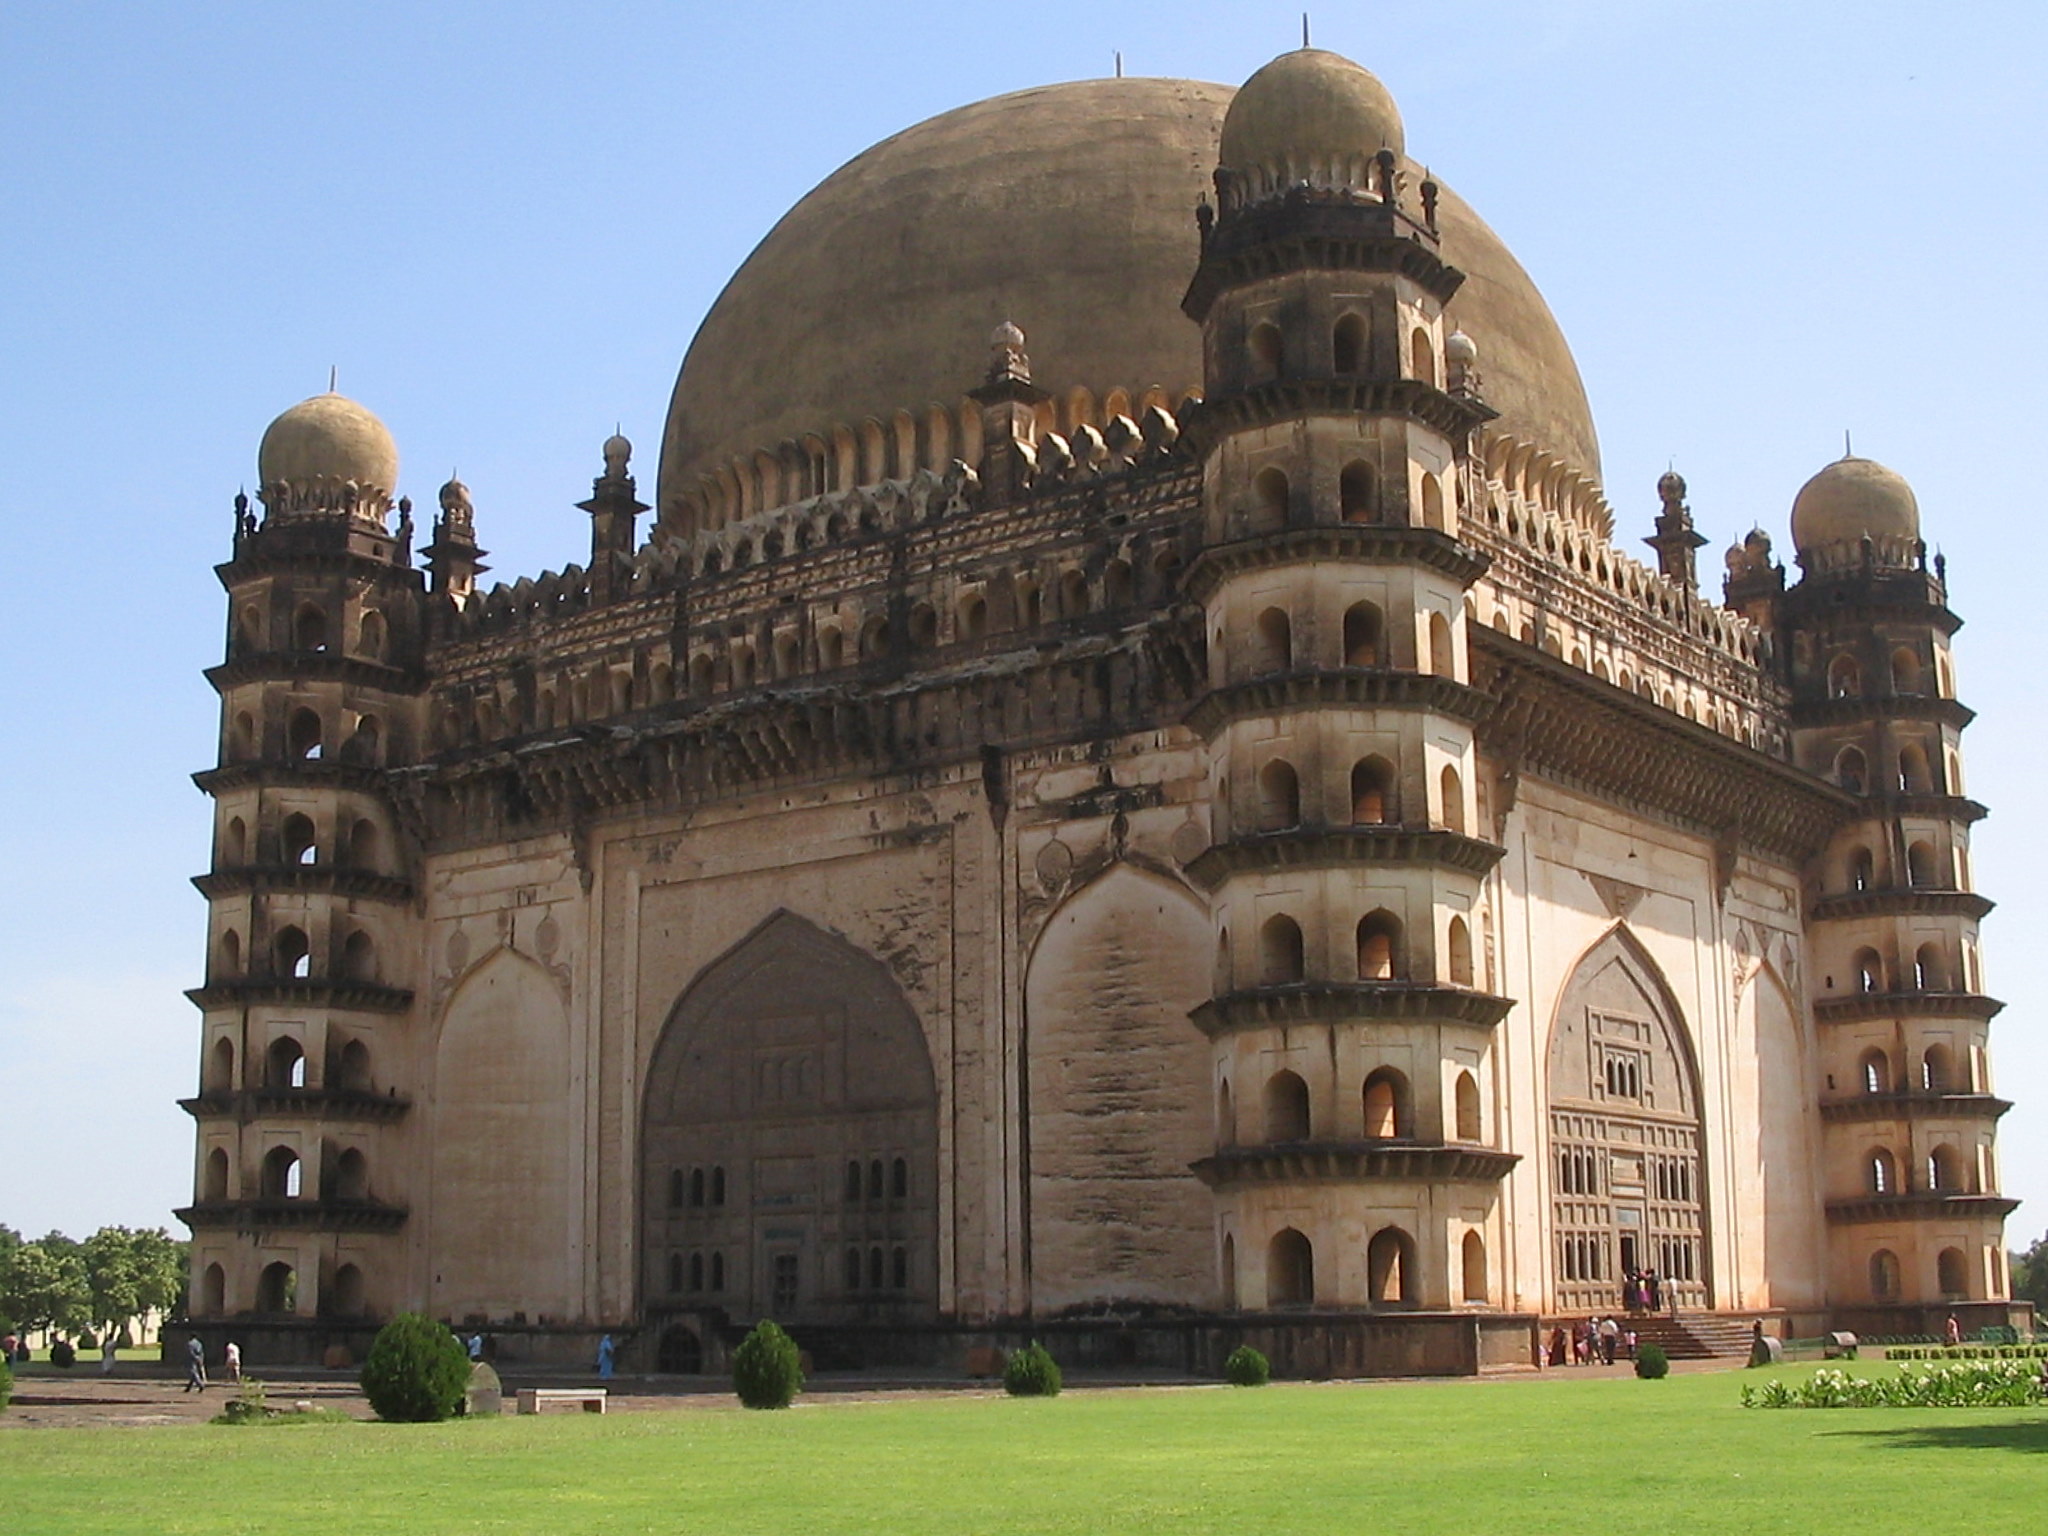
column 1347, row 344
column 718, row 1185
column 1390, row 1268
column 1229, row 1271
column 249, row 629
column 352, row 1176
column 305, row 734
column 973, row 617
column 1030, row 603
column 1272, row 642
column 1851, row 772
column 216, row 1184
column 1073, row 594
column 1875, row 1069
column 1433, row 503
column 1905, row 671
column 277, row 1288
column 213, row 1291
column 697, row 1187
column 1452, row 797
column 1116, row 584
column 1226, row 1116
column 675, row 1274
column 309, row 628
column 697, row 1271
column 231, row 953
column 899, row 1269
column 1267, row 353
column 284, row 1064
column 242, row 736
column 1869, row 971
column 352, row 1068
column 676, row 1185
column 1421, row 356
column 717, row 1270
column 1458, row 953
column 831, row 648
column 1379, row 947
column 899, row 1179
column 370, row 635
column 875, row 1180
column 1952, row 1274
column 1270, row 500
column 1914, row 776
column 874, row 639
column 366, row 744
column 1279, row 796
column 1922, row 867
column 1467, row 1097
column 1884, row 1275
column 281, row 1174
column 294, row 955
column 1443, row 658
column 1944, row 1170
column 924, row 625
column 1372, row 793
column 853, row 1269
column 1287, row 1117
column 1290, row 1270
column 363, row 845
column 359, row 957
column 1938, row 1070
column 1357, row 495
column 1475, row 1269
column 1884, row 1172
column 1930, row 969
column 1388, row 1110
column 234, row 843
column 1845, row 678
column 1362, row 628
column 874, row 1269
column 852, row 1182
column 1862, row 870
column 220, row 1066
column 1280, row 957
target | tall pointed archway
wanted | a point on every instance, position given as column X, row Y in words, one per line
column 1626, row 1172
column 789, row 1163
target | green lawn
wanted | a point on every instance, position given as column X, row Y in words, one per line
column 1494, row 1458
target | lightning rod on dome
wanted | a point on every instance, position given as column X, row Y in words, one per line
column 1304, row 29
column 1847, row 451
column 332, row 372
column 1119, row 63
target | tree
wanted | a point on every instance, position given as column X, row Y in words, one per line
column 128, row 1273
column 2030, row 1274
column 416, row 1371
column 43, row 1285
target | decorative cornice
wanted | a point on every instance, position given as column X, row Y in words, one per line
column 1334, row 847
column 1300, row 232
column 308, row 773
column 1362, row 543
column 1358, row 1002
column 1866, row 1006
column 1560, row 721
column 1918, row 707
column 314, row 992
column 1924, row 1205
column 1904, row 901
column 1913, row 1106
column 1355, row 1162
column 1454, row 416
column 306, row 879
column 1340, row 688
column 315, row 667
column 305, row 1215
column 347, row 1104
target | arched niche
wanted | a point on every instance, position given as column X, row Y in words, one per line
column 1623, row 1091
column 506, row 1181
column 1780, row 1243
column 1117, row 1080
column 788, row 1058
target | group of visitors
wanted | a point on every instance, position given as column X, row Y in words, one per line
column 195, row 1363
column 1642, row 1291
column 1593, row 1341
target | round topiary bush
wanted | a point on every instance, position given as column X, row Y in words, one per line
column 62, row 1355
column 1031, row 1372
column 6, row 1384
column 1651, row 1363
column 766, row 1372
column 416, row 1371
column 1246, row 1367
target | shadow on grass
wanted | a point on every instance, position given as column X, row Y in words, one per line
column 2030, row 1435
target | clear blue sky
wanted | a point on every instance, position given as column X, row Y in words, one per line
column 1758, row 223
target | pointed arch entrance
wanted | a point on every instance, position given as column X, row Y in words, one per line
column 1625, row 1135
column 789, row 1140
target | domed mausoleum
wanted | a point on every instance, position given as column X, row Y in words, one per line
column 1126, row 790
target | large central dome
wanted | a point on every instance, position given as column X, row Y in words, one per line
column 1068, row 209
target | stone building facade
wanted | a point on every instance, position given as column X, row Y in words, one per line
column 1188, row 826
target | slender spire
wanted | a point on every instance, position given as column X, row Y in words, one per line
column 1119, row 63
column 333, row 372
column 1304, row 29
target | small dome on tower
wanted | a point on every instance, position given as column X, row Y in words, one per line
column 321, row 447
column 1850, row 500
column 1460, row 350
column 1308, row 112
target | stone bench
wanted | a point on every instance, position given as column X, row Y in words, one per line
column 540, row 1399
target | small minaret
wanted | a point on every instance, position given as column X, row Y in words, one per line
column 1677, row 540
column 1009, row 422
column 454, row 557
column 614, row 521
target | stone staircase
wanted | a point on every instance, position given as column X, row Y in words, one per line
column 1695, row 1335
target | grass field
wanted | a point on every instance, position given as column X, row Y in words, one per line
column 1504, row 1458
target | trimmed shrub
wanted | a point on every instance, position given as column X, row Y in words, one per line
column 1246, row 1367
column 766, row 1369
column 62, row 1355
column 416, row 1371
column 1991, row 1384
column 1031, row 1372
column 6, row 1384
column 1651, row 1363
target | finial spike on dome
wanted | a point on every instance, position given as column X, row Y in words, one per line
column 1304, row 29
column 1848, row 452
column 333, row 373
column 1119, row 63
